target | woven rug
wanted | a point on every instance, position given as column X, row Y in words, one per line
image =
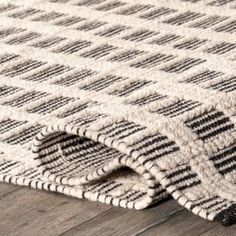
column 120, row 101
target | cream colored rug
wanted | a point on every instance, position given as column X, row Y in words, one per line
column 121, row 101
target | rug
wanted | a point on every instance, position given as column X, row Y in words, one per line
column 120, row 101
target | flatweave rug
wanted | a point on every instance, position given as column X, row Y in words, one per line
column 120, row 101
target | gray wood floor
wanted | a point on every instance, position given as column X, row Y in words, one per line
column 24, row 211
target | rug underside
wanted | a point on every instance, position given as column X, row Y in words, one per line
column 120, row 101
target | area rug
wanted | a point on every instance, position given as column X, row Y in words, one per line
column 120, row 101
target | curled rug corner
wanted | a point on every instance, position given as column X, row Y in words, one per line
column 120, row 102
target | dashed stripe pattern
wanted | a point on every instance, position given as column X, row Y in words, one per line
column 121, row 102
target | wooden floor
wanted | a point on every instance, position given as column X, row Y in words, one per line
column 30, row 212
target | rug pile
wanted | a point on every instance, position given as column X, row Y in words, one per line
column 121, row 101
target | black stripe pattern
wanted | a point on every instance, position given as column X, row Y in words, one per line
column 122, row 102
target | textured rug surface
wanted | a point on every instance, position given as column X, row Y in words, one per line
column 121, row 101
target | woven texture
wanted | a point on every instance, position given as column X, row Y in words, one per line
column 121, row 101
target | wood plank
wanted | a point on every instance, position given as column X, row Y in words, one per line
column 221, row 230
column 182, row 223
column 120, row 222
column 6, row 189
column 32, row 212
